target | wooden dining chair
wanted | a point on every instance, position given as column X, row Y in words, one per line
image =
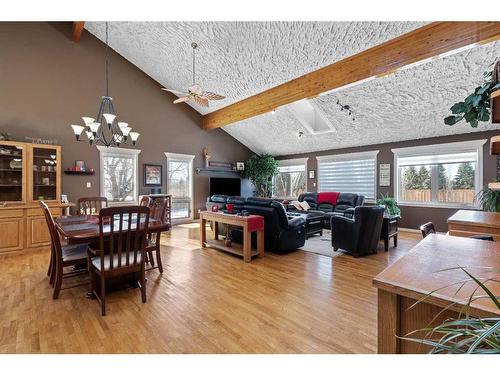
column 427, row 229
column 122, row 241
column 62, row 255
column 145, row 201
column 91, row 205
column 159, row 208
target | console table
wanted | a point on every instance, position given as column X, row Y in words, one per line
column 249, row 224
column 466, row 223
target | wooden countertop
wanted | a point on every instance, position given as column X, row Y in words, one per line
column 416, row 274
column 476, row 218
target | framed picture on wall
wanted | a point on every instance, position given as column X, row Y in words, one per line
column 152, row 175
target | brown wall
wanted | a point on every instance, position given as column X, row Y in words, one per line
column 412, row 217
column 47, row 82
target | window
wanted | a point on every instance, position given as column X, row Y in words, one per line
column 180, row 184
column 348, row 173
column 291, row 180
column 439, row 175
column 119, row 174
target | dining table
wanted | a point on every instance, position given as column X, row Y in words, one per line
column 85, row 228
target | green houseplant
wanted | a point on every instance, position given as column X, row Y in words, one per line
column 476, row 106
column 260, row 169
column 466, row 334
column 391, row 206
column 488, row 199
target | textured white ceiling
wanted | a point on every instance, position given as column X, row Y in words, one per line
column 240, row 59
column 410, row 104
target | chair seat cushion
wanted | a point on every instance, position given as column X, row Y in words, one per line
column 74, row 252
column 96, row 261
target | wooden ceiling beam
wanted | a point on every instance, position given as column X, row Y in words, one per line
column 76, row 33
column 423, row 43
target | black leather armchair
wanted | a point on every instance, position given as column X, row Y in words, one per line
column 361, row 234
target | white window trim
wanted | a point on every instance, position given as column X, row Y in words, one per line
column 289, row 162
column 440, row 148
column 351, row 156
column 116, row 151
column 189, row 158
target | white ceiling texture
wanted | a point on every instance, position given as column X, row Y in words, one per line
column 240, row 59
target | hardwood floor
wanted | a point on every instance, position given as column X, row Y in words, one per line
column 205, row 302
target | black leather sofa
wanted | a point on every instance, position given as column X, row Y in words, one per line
column 346, row 202
column 281, row 234
column 361, row 234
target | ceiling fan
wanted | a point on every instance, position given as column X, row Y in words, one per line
column 195, row 92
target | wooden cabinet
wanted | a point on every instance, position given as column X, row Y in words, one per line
column 28, row 173
column 12, row 230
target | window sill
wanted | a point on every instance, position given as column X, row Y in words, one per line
column 438, row 205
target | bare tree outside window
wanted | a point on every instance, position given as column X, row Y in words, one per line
column 290, row 182
column 118, row 174
column 179, row 186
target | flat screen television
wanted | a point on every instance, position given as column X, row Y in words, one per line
column 225, row 186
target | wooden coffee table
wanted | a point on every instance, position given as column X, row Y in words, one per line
column 249, row 224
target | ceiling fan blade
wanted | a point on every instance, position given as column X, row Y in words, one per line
column 200, row 100
column 213, row 96
column 175, row 92
column 181, row 99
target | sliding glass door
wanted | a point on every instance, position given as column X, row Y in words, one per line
column 180, row 185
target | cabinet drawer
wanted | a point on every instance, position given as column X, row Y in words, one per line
column 56, row 211
column 11, row 213
column 12, row 237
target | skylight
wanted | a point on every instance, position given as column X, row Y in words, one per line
column 311, row 117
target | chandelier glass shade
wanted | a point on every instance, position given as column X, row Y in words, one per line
column 105, row 129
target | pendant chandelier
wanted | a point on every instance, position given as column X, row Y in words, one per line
column 105, row 129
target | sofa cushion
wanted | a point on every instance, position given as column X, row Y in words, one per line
column 238, row 201
column 342, row 207
column 308, row 197
column 347, row 199
column 257, row 201
column 327, row 207
column 219, row 198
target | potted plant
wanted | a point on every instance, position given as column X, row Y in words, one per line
column 260, row 169
column 466, row 334
column 476, row 106
column 488, row 199
column 391, row 206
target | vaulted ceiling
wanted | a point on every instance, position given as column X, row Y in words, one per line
column 242, row 59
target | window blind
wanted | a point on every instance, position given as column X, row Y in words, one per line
column 348, row 176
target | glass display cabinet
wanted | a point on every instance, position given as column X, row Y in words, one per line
column 29, row 173
column 12, row 173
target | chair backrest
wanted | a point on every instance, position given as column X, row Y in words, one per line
column 427, row 229
column 158, row 207
column 370, row 220
column 54, row 235
column 91, row 205
column 124, row 229
column 145, row 201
